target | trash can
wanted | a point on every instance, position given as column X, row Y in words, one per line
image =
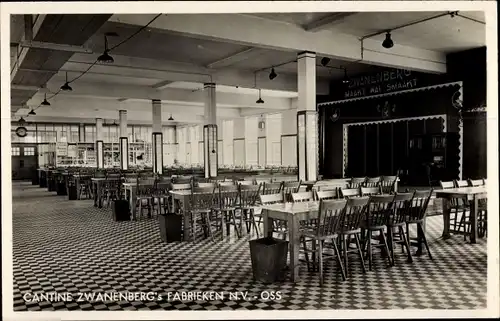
column 170, row 227
column 60, row 184
column 121, row 211
column 71, row 188
column 34, row 177
column 51, row 182
column 269, row 257
column 43, row 179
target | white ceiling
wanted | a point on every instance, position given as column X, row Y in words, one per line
column 162, row 61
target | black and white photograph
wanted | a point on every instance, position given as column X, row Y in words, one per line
column 249, row 159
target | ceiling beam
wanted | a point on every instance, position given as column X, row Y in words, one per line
column 285, row 37
column 162, row 84
column 327, row 21
column 107, row 90
column 234, row 58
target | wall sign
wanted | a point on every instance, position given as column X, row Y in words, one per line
column 61, row 149
column 380, row 83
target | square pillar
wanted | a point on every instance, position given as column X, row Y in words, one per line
column 307, row 119
column 99, row 144
column 123, row 139
column 81, row 133
column 157, row 138
column 210, row 158
column 210, row 155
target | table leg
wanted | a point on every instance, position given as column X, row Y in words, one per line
column 473, row 219
column 133, row 201
column 99, row 194
column 294, row 248
column 94, row 190
column 446, row 218
column 77, row 183
column 187, row 221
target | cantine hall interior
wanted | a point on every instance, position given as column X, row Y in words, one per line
column 333, row 160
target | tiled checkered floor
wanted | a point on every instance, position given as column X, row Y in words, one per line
column 70, row 246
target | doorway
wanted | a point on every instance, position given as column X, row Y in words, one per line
column 24, row 161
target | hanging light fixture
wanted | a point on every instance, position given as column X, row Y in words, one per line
column 325, row 61
column 170, row 118
column 32, row 112
column 387, row 43
column 346, row 79
column 45, row 102
column 21, row 121
column 66, row 86
column 105, row 57
column 273, row 74
column 260, row 100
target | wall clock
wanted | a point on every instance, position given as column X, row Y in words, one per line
column 21, row 131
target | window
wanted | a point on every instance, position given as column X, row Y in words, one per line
column 227, row 142
column 15, row 151
column 29, row 151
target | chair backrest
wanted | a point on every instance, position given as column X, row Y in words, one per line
column 379, row 209
column 419, row 204
column 326, row 195
column 263, row 180
column 226, row 183
column 291, row 187
column 228, row 188
column 302, row 197
column 446, row 185
column 268, row 199
column 354, row 213
column 372, row 181
column 202, row 201
column 247, row 182
column 388, row 183
column 329, row 216
column 369, row 191
column 181, row 187
column 204, row 185
column 476, row 182
column 249, row 194
column 350, row 192
column 461, row 183
column 271, row 188
column 401, row 205
column 207, row 189
column 357, row 182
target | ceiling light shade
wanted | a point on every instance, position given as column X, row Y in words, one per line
column 21, row 120
column 66, row 86
column 170, row 118
column 273, row 74
column 32, row 112
column 260, row 100
column 45, row 102
column 346, row 79
column 105, row 57
column 387, row 43
column 325, row 61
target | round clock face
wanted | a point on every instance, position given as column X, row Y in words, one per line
column 21, row 131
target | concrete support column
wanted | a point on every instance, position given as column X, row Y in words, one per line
column 210, row 158
column 81, row 133
column 157, row 138
column 99, row 148
column 122, row 114
column 307, row 119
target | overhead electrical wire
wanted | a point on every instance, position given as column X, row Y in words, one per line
column 95, row 62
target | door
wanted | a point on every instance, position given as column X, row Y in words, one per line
column 355, row 151
column 24, row 161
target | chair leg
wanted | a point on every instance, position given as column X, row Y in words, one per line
column 346, row 253
column 386, row 248
column 238, row 232
column 306, row 255
column 320, row 254
column 358, row 245
column 314, row 255
column 209, row 226
column 369, row 241
column 424, row 239
column 339, row 259
column 390, row 243
column 407, row 244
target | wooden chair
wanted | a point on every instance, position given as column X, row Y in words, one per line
column 330, row 213
column 459, row 210
column 327, row 195
column 461, row 183
column 226, row 183
column 271, row 188
column 398, row 216
column 388, row 184
column 262, row 180
column 369, row 191
column 179, row 187
column 246, row 182
column 201, row 206
column 476, row 182
column 227, row 203
column 379, row 209
column 357, row 182
column 350, row 227
column 279, row 227
column 350, row 192
column 206, row 185
column 144, row 192
column 160, row 195
column 416, row 215
column 248, row 197
column 290, row 187
column 372, row 182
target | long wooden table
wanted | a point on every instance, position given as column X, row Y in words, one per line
column 292, row 213
column 131, row 194
column 471, row 194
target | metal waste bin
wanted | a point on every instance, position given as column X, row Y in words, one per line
column 170, row 227
column 269, row 256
